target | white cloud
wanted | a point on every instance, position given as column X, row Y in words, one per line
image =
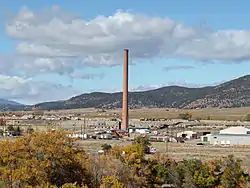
column 85, row 76
column 63, row 41
column 178, row 67
column 30, row 92
column 53, row 40
column 148, row 87
column 172, row 83
column 145, row 87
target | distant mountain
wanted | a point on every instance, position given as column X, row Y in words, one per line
column 9, row 102
column 234, row 93
column 8, row 105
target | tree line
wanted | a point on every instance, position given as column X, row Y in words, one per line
column 51, row 159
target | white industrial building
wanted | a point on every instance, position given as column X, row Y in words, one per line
column 236, row 130
column 231, row 136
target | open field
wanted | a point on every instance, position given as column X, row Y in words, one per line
column 170, row 113
column 212, row 113
column 179, row 151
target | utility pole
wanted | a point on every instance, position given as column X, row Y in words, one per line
column 84, row 125
column 167, row 140
column 81, row 129
column 74, row 128
column 4, row 130
column 166, row 146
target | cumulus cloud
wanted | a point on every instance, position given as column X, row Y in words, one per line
column 178, row 67
column 181, row 83
column 55, row 40
column 148, row 87
column 145, row 87
column 86, row 76
column 29, row 92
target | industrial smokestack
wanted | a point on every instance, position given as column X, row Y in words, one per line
column 125, row 92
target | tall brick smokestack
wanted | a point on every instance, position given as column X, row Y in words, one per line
column 125, row 92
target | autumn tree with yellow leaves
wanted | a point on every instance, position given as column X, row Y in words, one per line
column 50, row 160
column 41, row 158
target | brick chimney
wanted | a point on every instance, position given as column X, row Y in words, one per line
column 125, row 92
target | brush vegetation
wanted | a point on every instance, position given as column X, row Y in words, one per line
column 51, row 159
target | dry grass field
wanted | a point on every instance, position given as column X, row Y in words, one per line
column 179, row 151
column 212, row 113
column 208, row 113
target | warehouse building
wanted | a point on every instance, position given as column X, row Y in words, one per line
column 231, row 136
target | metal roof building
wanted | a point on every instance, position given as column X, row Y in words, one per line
column 235, row 130
column 231, row 136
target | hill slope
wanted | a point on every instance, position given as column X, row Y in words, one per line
column 8, row 105
column 9, row 102
column 235, row 93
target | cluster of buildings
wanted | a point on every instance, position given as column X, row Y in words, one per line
column 112, row 133
column 231, row 136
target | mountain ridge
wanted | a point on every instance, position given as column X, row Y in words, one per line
column 233, row 93
column 9, row 102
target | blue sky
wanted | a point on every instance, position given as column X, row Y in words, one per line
column 35, row 74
